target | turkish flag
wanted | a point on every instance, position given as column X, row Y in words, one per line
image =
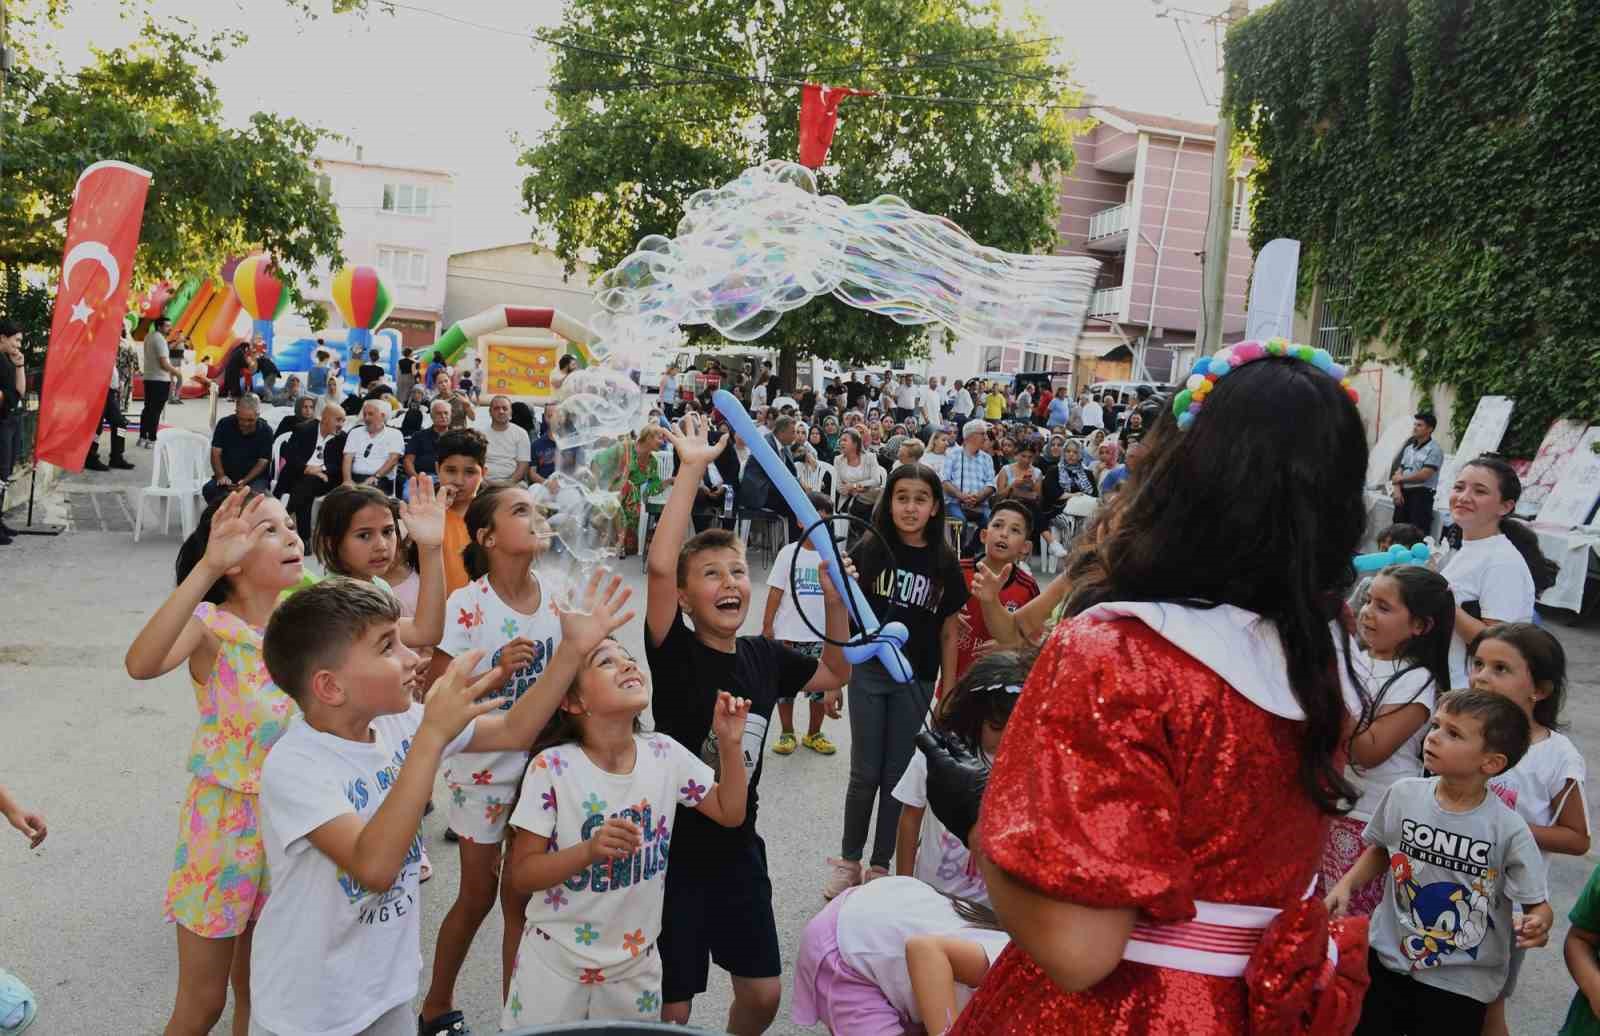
column 819, row 114
column 91, row 300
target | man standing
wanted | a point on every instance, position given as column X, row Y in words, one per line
column 509, row 448
column 928, row 403
column 159, row 375
column 969, row 476
column 1415, row 476
column 905, row 398
column 1060, row 414
column 241, row 449
column 112, row 416
column 13, row 392
column 961, row 408
column 1093, row 417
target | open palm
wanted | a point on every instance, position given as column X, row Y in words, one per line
column 424, row 513
column 600, row 613
column 236, row 528
column 691, row 438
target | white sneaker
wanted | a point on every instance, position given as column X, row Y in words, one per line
column 1057, row 550
column 846, row 875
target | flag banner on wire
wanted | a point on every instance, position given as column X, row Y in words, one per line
column 91, row 300
column 819, row 115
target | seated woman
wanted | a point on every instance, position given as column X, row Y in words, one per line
column 305, row 409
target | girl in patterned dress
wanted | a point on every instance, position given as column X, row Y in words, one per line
column 241, row 556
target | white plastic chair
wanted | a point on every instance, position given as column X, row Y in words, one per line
column 180, row 468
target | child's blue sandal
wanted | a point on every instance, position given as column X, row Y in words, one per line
column 18, row 1008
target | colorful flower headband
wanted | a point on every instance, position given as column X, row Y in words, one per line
column 1207, row 369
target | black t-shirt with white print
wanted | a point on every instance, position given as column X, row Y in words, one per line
column 686, row 676
column 917, row 591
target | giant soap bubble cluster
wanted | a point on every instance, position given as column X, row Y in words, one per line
column 766, row 243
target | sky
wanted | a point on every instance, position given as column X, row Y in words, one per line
column 417, row 89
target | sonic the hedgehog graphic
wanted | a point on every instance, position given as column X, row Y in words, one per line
column 1442, row 918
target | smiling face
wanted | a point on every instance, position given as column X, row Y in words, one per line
column 1499, row 667
column 369, row 546
column 1476, row 503
column 715, row 590
column 1385, row 621
column 274, row 563
column 610, row 684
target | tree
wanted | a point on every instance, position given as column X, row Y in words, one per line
column 655, row 99
column 216, row 191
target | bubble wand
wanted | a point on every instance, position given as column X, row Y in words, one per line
column 881, row 641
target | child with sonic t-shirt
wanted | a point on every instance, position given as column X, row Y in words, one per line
column 1457, row 859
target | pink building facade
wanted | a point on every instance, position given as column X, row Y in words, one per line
column 1136, row 200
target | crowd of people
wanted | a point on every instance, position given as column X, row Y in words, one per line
column 1057, row 815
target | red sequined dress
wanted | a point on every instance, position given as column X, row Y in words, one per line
column 1132, row 775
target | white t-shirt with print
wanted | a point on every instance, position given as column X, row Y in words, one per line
column 330, row 956
column 609, row 913
column 476, row 618
column 1491, row 572
column 365, row 461
column 1533, row 786
column 508, row 447
column 942, row 861
column 1413, row 686
column 787, row 624
column 877, row 919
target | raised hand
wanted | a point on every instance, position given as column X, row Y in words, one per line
column 30, row 824
column 236, row 527
column 729, row 719
column 986, row 585
column 614, row 839
column 424, row 513
column 454, row 700
column 601, row 613
column 691, row 438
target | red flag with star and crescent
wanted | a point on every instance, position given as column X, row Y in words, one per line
column 91, row 300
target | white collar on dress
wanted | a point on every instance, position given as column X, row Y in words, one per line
column 1238, row 645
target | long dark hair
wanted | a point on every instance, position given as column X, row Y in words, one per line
column 480, row 518
column 339, row 508
column 1543, row 570
column 871, row 549
column 984, row 696
column 1427, row 596
column 194, row 547
column 1258, row 504
column 1547, row 664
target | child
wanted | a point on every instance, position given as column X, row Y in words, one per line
column 1007, row 539
column 975, row 711
column 404, row 574
column 342, row 796
column 718, row 902
column 243, row 553
column 909, row 575
column 892, row 957
column 596, row 819
column 1400, row 532
column 796, row 568
column 358, row 535
column 18, row 1006
column 1454, row 860
column 1527, row 665
column 504, row 613
column 463, row 457
column 1406, row 626
column 1583, row 940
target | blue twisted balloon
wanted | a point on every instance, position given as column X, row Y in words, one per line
column 1395, row 555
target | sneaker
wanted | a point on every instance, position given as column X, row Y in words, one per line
column 818, row 744
column 846, row 875
column 1057, row 550
column 119, row 463
column 874, row 873
column 786, row 743
column 95, row 464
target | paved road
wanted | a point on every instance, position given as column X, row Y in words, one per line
column 102, row 756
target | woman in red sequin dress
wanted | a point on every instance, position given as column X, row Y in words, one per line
column 1154, row 819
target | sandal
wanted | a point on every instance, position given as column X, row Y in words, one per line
column 18, row 1007
column 451, row 1023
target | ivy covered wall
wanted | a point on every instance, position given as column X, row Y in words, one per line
column 1444, row 155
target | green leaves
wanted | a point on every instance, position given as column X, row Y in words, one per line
column 1437, row 150
column 654, row 100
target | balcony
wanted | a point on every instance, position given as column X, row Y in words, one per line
column 1106, row 302
column 1108, row 229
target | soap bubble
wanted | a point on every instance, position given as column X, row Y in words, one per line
column 584, row 514
column 594, row 403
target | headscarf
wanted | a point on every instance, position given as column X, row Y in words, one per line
column 1075, row 478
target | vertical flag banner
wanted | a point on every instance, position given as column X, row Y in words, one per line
column 819, row 115
column 91, row 300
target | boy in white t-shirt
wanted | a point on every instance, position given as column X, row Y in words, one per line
column 783, row 623
column 342, row 795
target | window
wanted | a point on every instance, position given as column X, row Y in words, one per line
column 1333, row 320
column 324, row 186
column 404, row 266
column 1241, row 204
column 406, row 199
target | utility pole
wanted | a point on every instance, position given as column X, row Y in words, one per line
column 1219, row 221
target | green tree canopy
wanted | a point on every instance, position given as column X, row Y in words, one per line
column 655, row 99
column 1432, row 154
column 216, row 191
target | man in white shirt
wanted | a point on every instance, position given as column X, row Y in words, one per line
column 905, row 398
column 372, row 450
column 961, row 408
column 1092, row 416
column 928, row 403
column 509, row 448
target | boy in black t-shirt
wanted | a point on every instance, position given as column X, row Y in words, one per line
column 718, row 897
